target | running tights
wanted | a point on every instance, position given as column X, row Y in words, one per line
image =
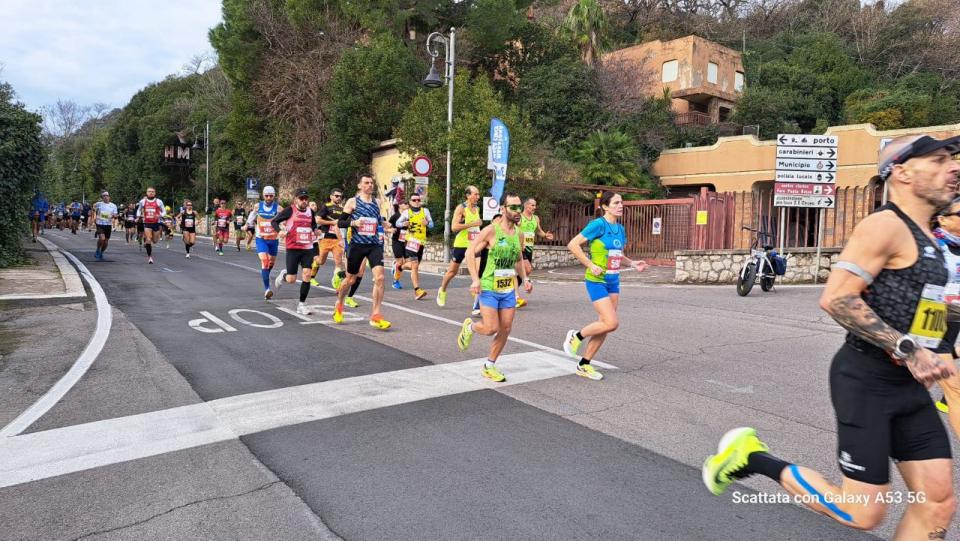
column 356, row 284
column 149, row 250
column 304, row 289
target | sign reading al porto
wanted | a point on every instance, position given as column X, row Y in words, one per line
column 176, row 152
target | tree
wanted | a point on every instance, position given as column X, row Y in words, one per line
column 610, row 159
column 562, row 101
column 21, row 166
column 888, row 109
column 587, row 25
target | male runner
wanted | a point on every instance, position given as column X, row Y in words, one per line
column 267, row 244
column 151, row 210
column 328, row 217
column 887, row 290
column 104, row 212
column 495, row 283
column 222, row 219
column 530, row 228
column 38, row 213
column 130, row 221
column 366, row 243
column 398, row 242
column 75, row 210
column 168, row 226
column 239, row 223
column 85, row 216
column 466, row 224
column 296, row 223
column 188, row 226
column 417, row 220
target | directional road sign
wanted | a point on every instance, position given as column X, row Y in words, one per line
column 806, row 140
column 803, row 164
column 805, row 176
column 810, row 201
column 807, row 152
column 799, row 188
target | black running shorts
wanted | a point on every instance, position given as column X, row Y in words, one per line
column 458, row 255
column 358, row 252
column 104, row 230
column 299, row 258
column 882, row 413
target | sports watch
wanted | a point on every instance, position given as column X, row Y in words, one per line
column 905, row 347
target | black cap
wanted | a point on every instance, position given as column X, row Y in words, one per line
column 921, row 147
column 301, row 192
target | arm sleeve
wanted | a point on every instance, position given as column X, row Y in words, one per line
column 281, row 216
column 429, row 219
column 404, row 219
column 593, row 230
column 252, row 218
column 344, row 221
column 139, row 208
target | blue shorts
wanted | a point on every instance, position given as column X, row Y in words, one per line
column 269, row 247
column 499, row 301
column 601, row 290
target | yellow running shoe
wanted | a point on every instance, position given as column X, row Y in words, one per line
column 521, row 302
column 397, row 273
column 466, row 335
column 492, row 373
column 377, row 322
column 336, row 280
column 589, row 372
column 942, row 405
column 571, row 344
column 420, row 293
column 722, row 469
column 314, row 282
column 338, row 313
column 350, row 302
column 441, row 298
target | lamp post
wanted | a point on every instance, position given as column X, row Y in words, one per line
column 433, row 81
column 206, row 147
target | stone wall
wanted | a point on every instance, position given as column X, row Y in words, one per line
column 544, row 257
column 723, row 266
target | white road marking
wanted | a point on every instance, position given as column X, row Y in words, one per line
column 60, row 451
column 274, row 320
column 197, row 324
column 80, row 366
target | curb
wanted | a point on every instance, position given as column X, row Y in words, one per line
column 70, row 276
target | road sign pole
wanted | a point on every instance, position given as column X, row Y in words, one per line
column 783, row 228
column 816, row 265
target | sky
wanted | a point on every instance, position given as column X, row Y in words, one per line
column 91, row 51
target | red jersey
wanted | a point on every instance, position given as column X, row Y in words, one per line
column 151, row 210
column 300, row 229
column 223, row 218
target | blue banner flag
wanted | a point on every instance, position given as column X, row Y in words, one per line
column 499, row 155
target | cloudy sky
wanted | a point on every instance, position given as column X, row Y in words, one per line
column 93, row 51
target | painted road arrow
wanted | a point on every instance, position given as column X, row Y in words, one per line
column 808, row 201
column 806, row 152
column 807, row 140
column 796, row 188
column 805, row 176
column 801, row 164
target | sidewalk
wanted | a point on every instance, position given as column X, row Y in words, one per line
column 48, row 275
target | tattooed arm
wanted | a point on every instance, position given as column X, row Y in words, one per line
column 880, row 241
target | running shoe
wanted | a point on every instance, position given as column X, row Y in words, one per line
column 493, row 373
column 397, row 284
column 475, row 311
column 219, row 252
column 571, row 344
column 302, row 309
column 441, row 298
column 96, row 254
column 338, row 313
column 268, row 294
column 350, row 302
column 722, row 469
column 589, row 372
column 377, row 322
column 466, row 335
column 314, row 282
column 249, row 248
column 521, row 302
column 942, row 405
column 336, row 280
column 279, row 280
column 150, row 260
column 419, row 293
column 238, row 247
column 188, row 256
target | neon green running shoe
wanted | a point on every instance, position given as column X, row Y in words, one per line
column 493, row 373
column 725, row 467
column 466, row 335
column 336, row 280
column 571, row 344
column 942, row 405
column 589, row 372
column 441, row 298
column 350, row 302
column 314, row 282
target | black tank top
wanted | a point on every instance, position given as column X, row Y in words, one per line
column 191, row 216
column 895, row 293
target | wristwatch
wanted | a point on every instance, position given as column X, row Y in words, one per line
column 905, row 347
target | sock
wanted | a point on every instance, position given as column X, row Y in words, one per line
column 579, row 336
column 149, row 250
column 766, row 465
column 489, row 364
column 519, row 282
column 304, row 289
column 265, row 275
column 188, row 247
column 342, row 274
column 313, row 269
column 356, row 284
column 584, row 360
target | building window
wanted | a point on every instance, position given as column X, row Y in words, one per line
column 738, row 82
column 670, row 71
column 711, row 73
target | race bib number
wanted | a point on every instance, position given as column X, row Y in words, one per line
column 472, row 233
column 367, row 226
column 930, row 319
column 529, row 237
column 150, row 212
column 222, row 222
column 106, row 215
column 503, row 280
column 304, row 235
column 188, row 222
column 266, row 229
column 413, row 244
column 402, row 237
column 614, row 260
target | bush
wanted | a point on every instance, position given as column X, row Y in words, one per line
column 21, row 165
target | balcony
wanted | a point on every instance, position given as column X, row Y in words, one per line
column 696, row 118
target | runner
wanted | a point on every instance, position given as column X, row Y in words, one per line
column 239, row 224
column 75, row 210
column 602, row 279
column 398, row 241
column 346, row 233
column 267, row 243
column 151, row 211
column 530, row 227
column 947, row 233
column 130, row 221
column 366, row 243
column 466, row 224
column 296, row 223
column 222, row 219
column 494, row 284
column 104, row 212
column 85, row 216
column 887, row 291
column 188, row 225
column 328, row 218
column 140, row 228
column 38, row 213
column 168, row 226
column 417, row 220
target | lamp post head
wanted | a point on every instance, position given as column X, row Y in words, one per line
column 433, row 78
column 196, row 145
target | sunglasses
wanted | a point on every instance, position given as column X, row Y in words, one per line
column 945, row 214
column 414, row 200
column 303, row 197
column 514, row 208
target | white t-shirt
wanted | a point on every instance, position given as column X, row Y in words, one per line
column 104, row 212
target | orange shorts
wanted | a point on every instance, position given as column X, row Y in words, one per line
column 330, row 245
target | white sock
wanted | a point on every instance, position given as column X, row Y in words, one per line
column 488, row 364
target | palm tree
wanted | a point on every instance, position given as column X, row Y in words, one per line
column 609, row 158
column 587, row 26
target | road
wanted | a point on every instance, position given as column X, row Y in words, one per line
column 214, row 414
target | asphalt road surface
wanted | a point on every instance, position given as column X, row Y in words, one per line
column 212, row 413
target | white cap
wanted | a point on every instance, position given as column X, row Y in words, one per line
column 268, row 190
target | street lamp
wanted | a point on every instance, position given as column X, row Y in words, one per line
column 433, row 81
column 206, row 147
